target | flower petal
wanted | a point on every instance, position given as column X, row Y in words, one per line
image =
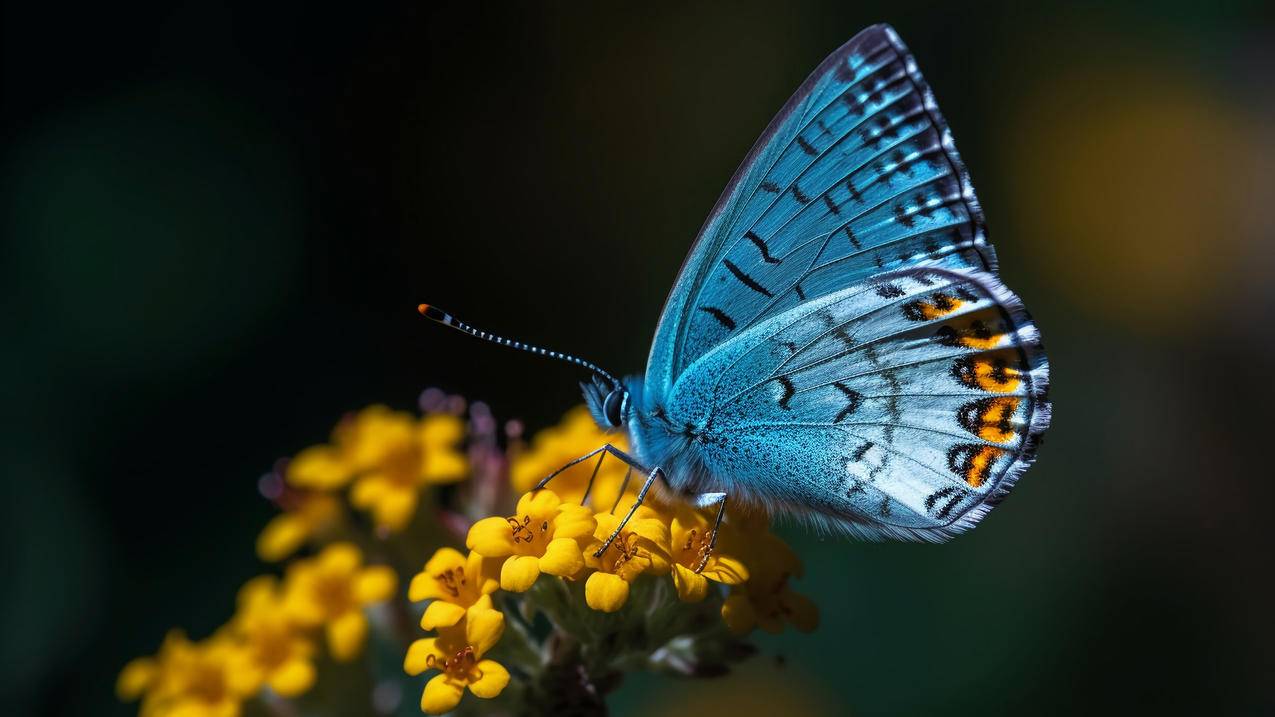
column 299, row 603
column 738, row 614
column 444, row 559
column 802, row 611
column 441, row 613
column 281, row 537
column 293, row 677
column 684, row 521
column 375, row 583
column 725, row 568
column 604, row 525
column 574, row 521
column 395, row 507
column 241, row 674
column 318, row 467
column 346, row 635
column 441, row 429
column 726, row 572
column 368, row 491
column 519, row 573
column 491, row 538
column 340, row 558
column 563, row 557
column 539, row 504
column 652, row 529
column 690, row 586
column 775, row 556
column 378, row 432
column 483, row 573
column 443, row 465
column 606, row 592
column 483, row 627
column 493, row 679
column 417, row 659
column 425, row 584
column 136, row 676
column 441, row 695
column 258, row 592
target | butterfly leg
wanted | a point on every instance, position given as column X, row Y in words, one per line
column 624, row 487
column 704, row 500
column 604, row 449
column 641, row 496
column 588, row 488
column 545, row 481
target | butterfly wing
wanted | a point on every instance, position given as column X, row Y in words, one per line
column 904, row 407
column 856, row 175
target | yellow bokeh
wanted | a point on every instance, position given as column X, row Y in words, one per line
column 1133, row 187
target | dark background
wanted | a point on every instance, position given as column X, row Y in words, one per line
column 217, row 221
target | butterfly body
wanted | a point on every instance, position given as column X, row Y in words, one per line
column 837, row 345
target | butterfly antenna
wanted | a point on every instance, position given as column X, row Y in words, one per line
column 434, row 313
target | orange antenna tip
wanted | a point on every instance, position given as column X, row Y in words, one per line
column 422, row 308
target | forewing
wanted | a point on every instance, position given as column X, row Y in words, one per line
column 904, row 407
column 856, row 175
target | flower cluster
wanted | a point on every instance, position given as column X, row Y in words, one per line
column 386, row 457
column 271, row 642
column 459, row 589
column 545, row 612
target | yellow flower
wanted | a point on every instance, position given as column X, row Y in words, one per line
column 331, row 590
column 766, row 600
column 189, row 679
column 136, row 678
column 391, row 454
column 319, row 468
column 144, row 677
column 324, row 467
column 396, row 456
column 275, row 651
column 576, row 435
column 313, row 514
column 454, row 583
column 691, row 532
column 641, row 547
column 457, row 653
column 544, row 535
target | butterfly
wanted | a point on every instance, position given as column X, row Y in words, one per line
column 838, row 346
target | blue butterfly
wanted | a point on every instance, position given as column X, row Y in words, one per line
column 838, row 346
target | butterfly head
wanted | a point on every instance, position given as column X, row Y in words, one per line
column 609, row 401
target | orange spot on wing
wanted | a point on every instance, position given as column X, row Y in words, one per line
column 975, row 334
column 981, row 465
column 973, row 463
column 991, row 419
column 981, row 342
column 996, row 421
column 936, row 307
column 988, row 373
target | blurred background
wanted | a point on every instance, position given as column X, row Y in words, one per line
column 218, row 220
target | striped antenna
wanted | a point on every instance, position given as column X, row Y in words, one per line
column 434, row 313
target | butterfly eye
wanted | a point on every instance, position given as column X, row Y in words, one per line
column 613, row 406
